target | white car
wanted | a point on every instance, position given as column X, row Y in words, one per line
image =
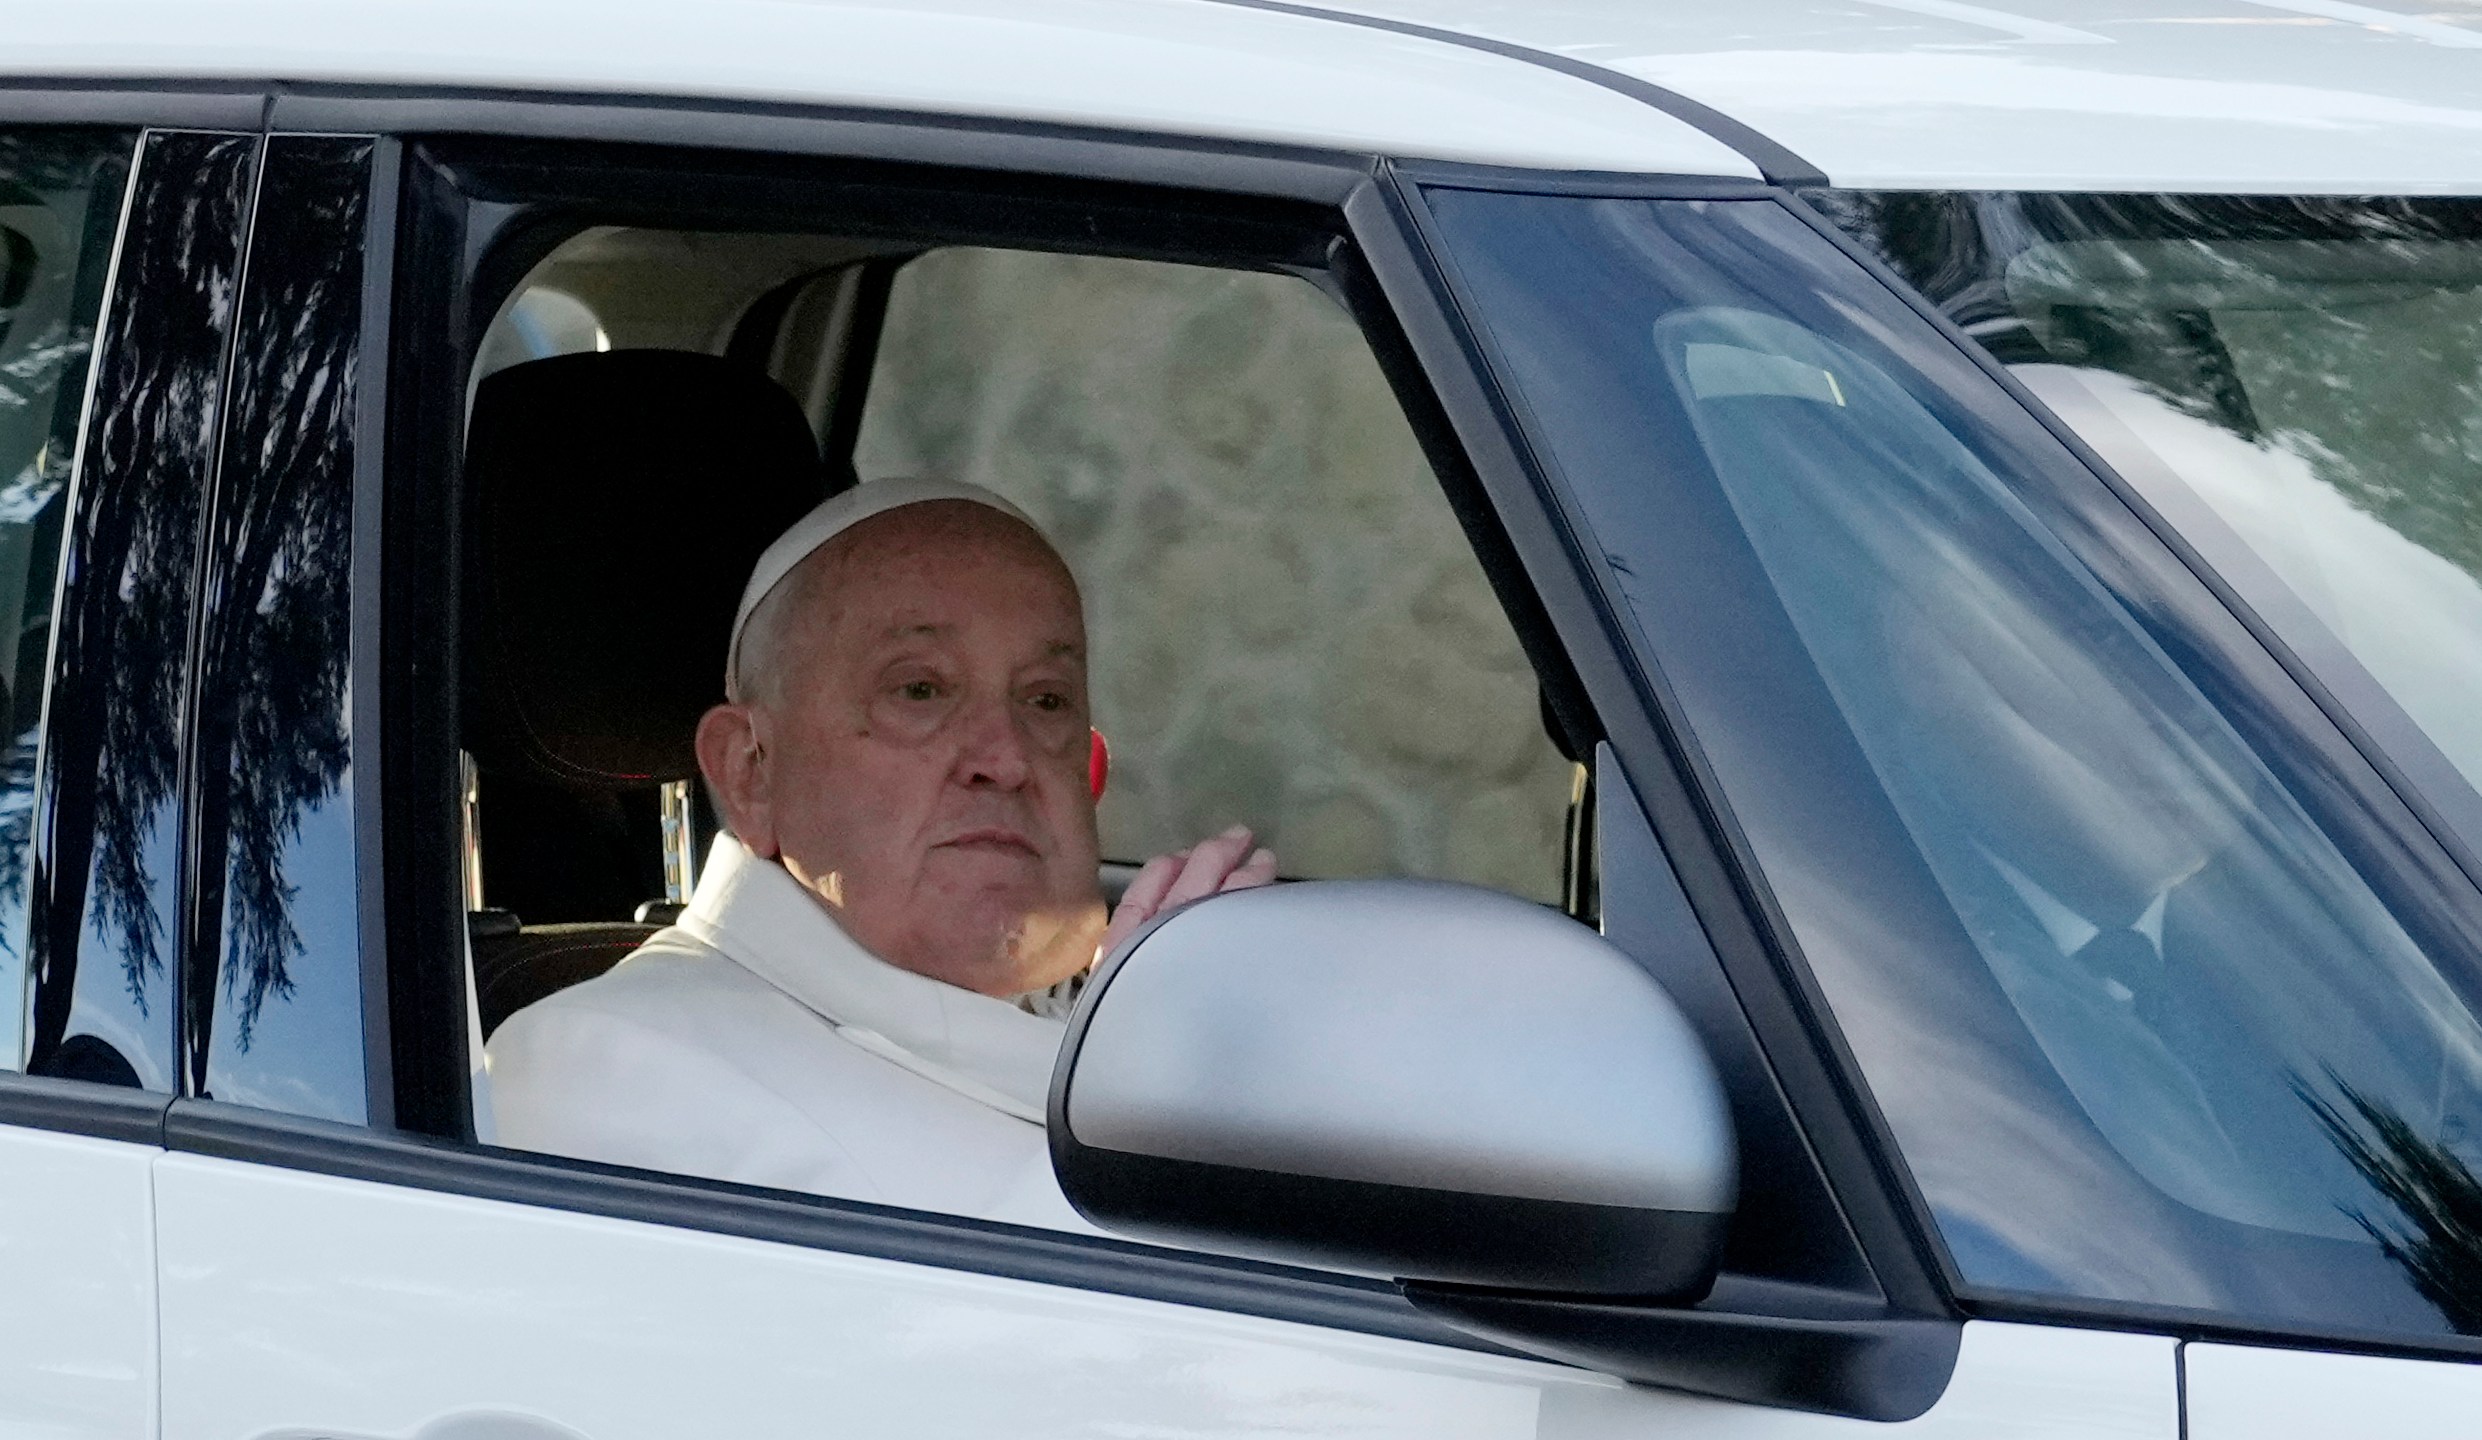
column 1860, row 621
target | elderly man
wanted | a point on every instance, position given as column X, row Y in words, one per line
column 850, row 1004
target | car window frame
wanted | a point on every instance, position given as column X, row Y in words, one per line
column 1528, row 549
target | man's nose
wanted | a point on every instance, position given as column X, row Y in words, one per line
column 995, row 752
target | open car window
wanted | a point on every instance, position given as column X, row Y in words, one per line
column 1288, row 627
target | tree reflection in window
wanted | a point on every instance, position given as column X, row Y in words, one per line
column 271, row 1013
column 106, row 844
column 2437, row 1237
column 60, row 194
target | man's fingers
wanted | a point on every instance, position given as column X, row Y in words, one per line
column 1143, row 898
column 1211, row 862
column 1221, row 862
column 1258, row 870
column 1148, row 887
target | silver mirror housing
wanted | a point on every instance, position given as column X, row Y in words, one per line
column 1405, row 1078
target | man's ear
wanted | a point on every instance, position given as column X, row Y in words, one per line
column 735, row 764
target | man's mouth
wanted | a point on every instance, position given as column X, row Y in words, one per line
column 991, row 839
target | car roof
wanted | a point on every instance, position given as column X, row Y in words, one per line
column 2277, row 96
column 1183, row 67
column 2272, row 96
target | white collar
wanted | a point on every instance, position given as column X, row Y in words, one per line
column 987, row 1049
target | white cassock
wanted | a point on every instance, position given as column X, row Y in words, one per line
column 755, row 1041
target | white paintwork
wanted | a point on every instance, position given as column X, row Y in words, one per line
column 77, row 1287
column 2283, row 96
column 304, row 1304
column 2242, row 1393
column 2292, row 96
column 1183, row 67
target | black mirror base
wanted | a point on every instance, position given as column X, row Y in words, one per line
column 1764, row 1343
column 1368, row 1228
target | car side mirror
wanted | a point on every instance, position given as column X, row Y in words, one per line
column 1411, row 1079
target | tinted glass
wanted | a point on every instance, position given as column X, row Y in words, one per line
column 273, row 1007
column 60, row 206
column 2163, row 998
column 2310, row 370
column 107, row 857
column 1289, row 626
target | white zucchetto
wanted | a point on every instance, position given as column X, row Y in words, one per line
column 835, row 516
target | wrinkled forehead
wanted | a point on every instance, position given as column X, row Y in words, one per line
column 941, row 566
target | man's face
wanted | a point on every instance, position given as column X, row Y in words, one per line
column 923, row 748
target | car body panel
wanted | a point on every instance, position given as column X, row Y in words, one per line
column 2229, row 96
column 2236, row 1391
column 307, row 1303
column 1180, row 68
column 77, row 1263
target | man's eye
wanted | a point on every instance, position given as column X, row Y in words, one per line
column 1050, row 700
column 919, row 690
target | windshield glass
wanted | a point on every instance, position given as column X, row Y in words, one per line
column 2297, row 384
column 2165, row 997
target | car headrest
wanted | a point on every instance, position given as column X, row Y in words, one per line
column 617, row 502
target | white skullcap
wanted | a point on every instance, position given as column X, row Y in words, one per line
column 832, row 518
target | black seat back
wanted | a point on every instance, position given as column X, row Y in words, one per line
column 620, row 499
column 616, row 503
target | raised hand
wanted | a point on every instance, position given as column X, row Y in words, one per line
column 1228, row 861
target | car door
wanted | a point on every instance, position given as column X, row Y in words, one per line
column 336, row 1257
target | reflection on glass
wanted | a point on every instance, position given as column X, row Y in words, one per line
column 107, row 849
column 2174, row 932
column 2436, row 1230
column 273, row 1003
column 2312, row 369
column 60, row 201
column 2112, row 982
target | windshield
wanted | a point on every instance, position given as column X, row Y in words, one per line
column 2165, row 996
column 2297, row 384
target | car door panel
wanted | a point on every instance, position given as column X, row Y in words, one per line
column 300, row 1303
column 77, row 1263
column 2264, row 1394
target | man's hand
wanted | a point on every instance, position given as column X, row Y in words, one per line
column 1222, row 862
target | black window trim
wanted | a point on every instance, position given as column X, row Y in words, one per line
column 170, row 104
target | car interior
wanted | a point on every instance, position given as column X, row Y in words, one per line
column 1290, row 626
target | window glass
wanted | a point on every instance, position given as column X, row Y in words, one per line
column 273, row 1004
column 2122, row 977
column 60, row 202
column 539, row 322
column 2310, row 369
column 107, row 877
column 1289, row 627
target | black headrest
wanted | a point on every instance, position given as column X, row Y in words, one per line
column 618, row 501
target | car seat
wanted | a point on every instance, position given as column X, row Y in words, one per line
column 615, row 503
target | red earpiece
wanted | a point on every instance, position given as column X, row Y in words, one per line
column 1098, row 762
